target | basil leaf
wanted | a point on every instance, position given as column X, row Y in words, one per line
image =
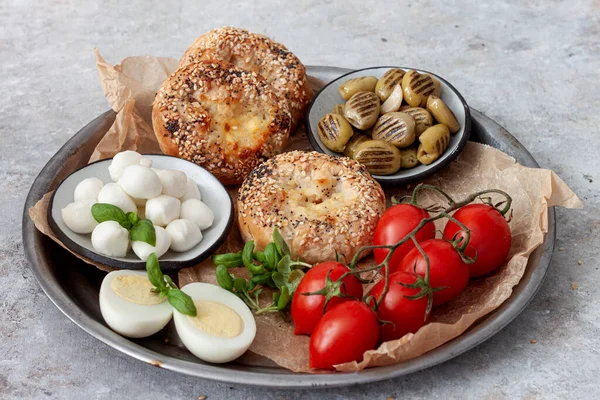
column 279, row 279
column 155, row 275
column 271, row 256
column 170, row 282
column 247, row 253
column 284, row 298
column 260, row 257
column 107, row 212
column 261, row 279
column 285, row 265
column 280, row 244
column 229, row 260
column 143, row 231
column 182, row 302
column 294, row 280
column 223, row 278
column 133, row 217
column 239, row 284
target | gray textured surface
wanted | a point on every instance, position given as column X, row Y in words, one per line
column 532, row 66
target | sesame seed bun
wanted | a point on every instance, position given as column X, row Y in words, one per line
column 220, row 117
column 257, row 53
column 320, row 204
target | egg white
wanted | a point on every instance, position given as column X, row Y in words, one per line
column 131, row 319
column 212, row 348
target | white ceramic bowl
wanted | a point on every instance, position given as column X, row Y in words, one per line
column 214, row 195
column 329, row 96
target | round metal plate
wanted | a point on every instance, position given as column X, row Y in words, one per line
column 73, row 286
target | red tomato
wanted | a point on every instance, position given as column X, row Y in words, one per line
column 446, row 269
column 490, row 236
column 307, row 310
column 394, row 225
column 343, row 334
column 405, row 315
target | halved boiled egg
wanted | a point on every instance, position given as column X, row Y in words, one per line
column 129, row 306
column 223, row 328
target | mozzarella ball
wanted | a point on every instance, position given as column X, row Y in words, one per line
column 146, row 162
column 140, row 182
column 129, row 307
column 78, row 216
column 184, row 234
column 173, row 182
column 191, row 190
column 112, row 193
column 121, row 161
column 162, row 209
column 223, row 329
column 88, row 189
column 197, row 212
column 111, row 239
column 143, row 249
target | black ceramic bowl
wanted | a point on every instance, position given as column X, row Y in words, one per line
column 329, row 96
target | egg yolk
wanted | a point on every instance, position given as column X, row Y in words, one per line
column 216, row 319
column 136, row 289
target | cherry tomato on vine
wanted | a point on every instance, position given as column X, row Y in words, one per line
column 446, row 269
column 397, row 222
column 343, row 334
column 307, row 310
column 490, row 237
column 403, row 315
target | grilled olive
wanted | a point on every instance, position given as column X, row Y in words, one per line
column 389, row 80
column 379, row 157
column 353, row 143
column 338, row 109
column 393, row 102
column 408, row 157
column 423, row 118
column 417, row 87
column 434, row 141
column 334, row 131
column 438, row 87
column 361, row 84
column 442, row 113
column 396, row 128
column 362, row 110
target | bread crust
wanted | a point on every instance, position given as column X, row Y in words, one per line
column 221, row 117
column 320, row 204
column 257, row 53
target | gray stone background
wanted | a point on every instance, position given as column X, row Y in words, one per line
column 533, row 66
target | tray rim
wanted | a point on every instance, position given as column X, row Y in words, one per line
column 474, row 336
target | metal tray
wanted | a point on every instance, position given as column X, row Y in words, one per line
column 73, row 285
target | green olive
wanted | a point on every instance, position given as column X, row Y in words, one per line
column 334, row 132
column 385, row 84
column 438, row 87
column 353, row 143
column 360, row 84
column 442, row 113
column 362, row 110
column 379, row 157
column 338, row 109
column 408, row 157
column 424, row 157
column 417, row 88
column 423, row 118
column 435, row 140
column 395, row 128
